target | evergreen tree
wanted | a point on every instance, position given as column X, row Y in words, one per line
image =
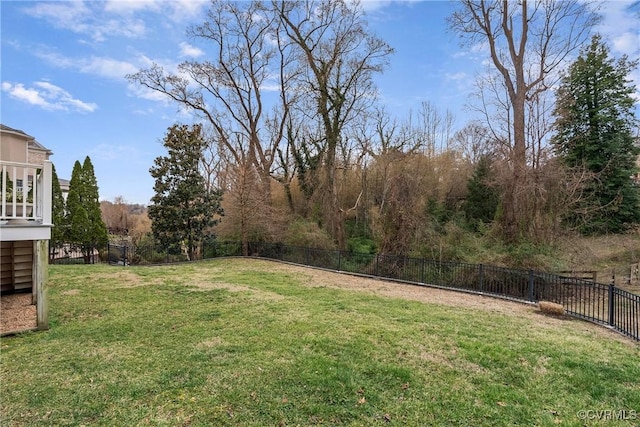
column 594, row 132
column 98, row 236
column 482, row 200
column 182, row 209
column 86, row 229
column 76, row 214
column 57, row 215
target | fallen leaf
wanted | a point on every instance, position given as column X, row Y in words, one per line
column 387, row 417
column 284, row 399
column 405, row 386
column 361, row 400
column 502, row 404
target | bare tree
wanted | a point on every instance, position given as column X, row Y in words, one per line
column 115, row 215
column 473, row 142
column 339, row 57
column 527, row 41
column 434, row 128
column 248, row 59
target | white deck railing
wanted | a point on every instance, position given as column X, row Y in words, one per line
column 25, row 192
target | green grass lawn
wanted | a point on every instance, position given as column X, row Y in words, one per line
column 245, row 342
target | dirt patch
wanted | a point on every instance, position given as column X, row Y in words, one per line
column 213, row 342
column 205, row 282
column 17, row 313
column 125, row 278
column 320, row 278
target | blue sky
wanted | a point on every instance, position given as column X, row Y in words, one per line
column 63, row 65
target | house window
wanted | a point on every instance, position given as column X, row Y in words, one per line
column 19, row 188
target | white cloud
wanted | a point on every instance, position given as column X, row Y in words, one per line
column 62, row 14
column 47, row 96
column 627, row 42
column 175, row 10
column 270, row 87
column 191, row 51
column 186, row 9
column 87, row 19
column 107, row 67
column 99, row 20
column 476, row 51
column 375, row 5
column 620, row 26
column 143, row 92
column 109, row 152
column 129, row 7
column 461, row 75
column 371, row 5
column 99, row 66
column 30, row 96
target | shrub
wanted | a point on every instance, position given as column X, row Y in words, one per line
column 308, row 234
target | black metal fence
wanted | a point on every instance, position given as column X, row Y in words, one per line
column 599, row 303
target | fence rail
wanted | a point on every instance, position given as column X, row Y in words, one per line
column 603, row 304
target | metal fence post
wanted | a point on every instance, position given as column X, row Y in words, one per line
column 422, row 270
column 530, row 285
column 481, row 277
column 124, row 256
column 612, row 305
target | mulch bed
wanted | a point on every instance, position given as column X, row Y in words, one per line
column 17, row 313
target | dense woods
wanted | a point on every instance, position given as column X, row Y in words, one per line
column 302, row 150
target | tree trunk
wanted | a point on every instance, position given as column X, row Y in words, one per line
column 514, row 208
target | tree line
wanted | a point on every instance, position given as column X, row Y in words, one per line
column 294, row 145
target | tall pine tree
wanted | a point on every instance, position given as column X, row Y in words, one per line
column 595, row 132
column 76, row 215
column 98, row 236
column 86, row 229
column 183, row 208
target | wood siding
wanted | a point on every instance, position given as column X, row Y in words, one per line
column 16, row 266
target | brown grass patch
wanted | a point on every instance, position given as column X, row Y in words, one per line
column 125, row 278
column 204, row 281
column 213, row 342
column 551, row 308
